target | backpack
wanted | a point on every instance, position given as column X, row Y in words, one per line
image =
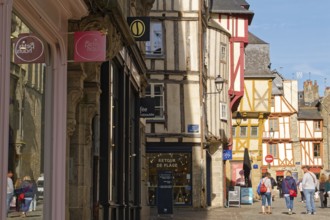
column 263, row 188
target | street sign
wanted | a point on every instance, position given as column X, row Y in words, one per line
column 269, row 158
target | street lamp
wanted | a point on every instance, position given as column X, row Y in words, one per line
column 218, row 81
column 271, row 134
column 238, row 118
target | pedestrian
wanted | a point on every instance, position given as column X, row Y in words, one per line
column 301, row 191
column 10, row 189
column 309, row 184
column 274, row 183
column 327, row 191
column 28, row 193
column 266, row 197
column 289, row 184
column 17, row 190
column 279, row 186
column 322, row 191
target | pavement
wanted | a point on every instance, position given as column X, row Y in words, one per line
column 245, row 212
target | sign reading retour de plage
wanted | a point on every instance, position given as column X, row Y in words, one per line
column 89, row 46
column 29, row 49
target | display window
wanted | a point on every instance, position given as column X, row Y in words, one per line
column 27, row 113
column 181, row 167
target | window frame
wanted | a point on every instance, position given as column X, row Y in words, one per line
column 223, row 111
column 318, row 150
column 317, row 125
column 257, row 131
column 241, row 129
column 150, row 45
column 270, row 149
column 162, row 97
column 273, row 124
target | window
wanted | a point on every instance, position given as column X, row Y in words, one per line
column 317, row 125
column 233, row 131
column 272, row 102
column 223, row 52
column 180, row 163
column 156, row 91
column 272, row 150
column 254, row 131
column 243, row 131
column 223, row 111
column 273, row 124
column 317, row 149
column 155, row 45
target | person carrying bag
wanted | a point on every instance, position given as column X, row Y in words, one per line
column 289, row 190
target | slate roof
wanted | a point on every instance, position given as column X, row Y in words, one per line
column 212, row 24
column 231, row 7
column 309, row 113
column 253, row 39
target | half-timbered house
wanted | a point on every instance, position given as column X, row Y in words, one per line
column 280, row 130
column 310, row 127
column 253, row 109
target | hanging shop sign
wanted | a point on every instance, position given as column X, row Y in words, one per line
column 147, row 107
column 89, row 46
column 140, row 28
column 28, row 49
column 227, row 154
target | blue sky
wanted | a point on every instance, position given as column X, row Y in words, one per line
column 298, row 33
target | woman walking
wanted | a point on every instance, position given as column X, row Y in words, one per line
column 267, row 196
column 322, row 181
column 28, row 192
column 289, row 184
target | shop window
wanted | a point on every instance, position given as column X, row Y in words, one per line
column 155, row 45
column 180, row 165
column 156, row 91
column 27, row 112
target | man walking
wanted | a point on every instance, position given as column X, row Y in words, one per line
column 10, row 189
column 309, row 183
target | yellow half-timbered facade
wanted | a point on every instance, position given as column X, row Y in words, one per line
column 254, row 107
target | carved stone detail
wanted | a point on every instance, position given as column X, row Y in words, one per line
column 75, row 94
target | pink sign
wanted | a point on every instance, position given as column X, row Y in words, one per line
column 28, row 49
column 89, row 46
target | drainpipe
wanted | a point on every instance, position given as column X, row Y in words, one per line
column 201, row 101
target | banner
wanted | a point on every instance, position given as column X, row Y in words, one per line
column 140, row 28
column 89, row 46
column 29, row 49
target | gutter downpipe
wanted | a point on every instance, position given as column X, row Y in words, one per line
column 201, row 101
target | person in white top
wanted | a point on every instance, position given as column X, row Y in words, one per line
column 266, row 197
column 10, row 189
column 309, row 182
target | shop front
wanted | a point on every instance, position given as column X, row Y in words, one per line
column 33, row 97
column 180, row 164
